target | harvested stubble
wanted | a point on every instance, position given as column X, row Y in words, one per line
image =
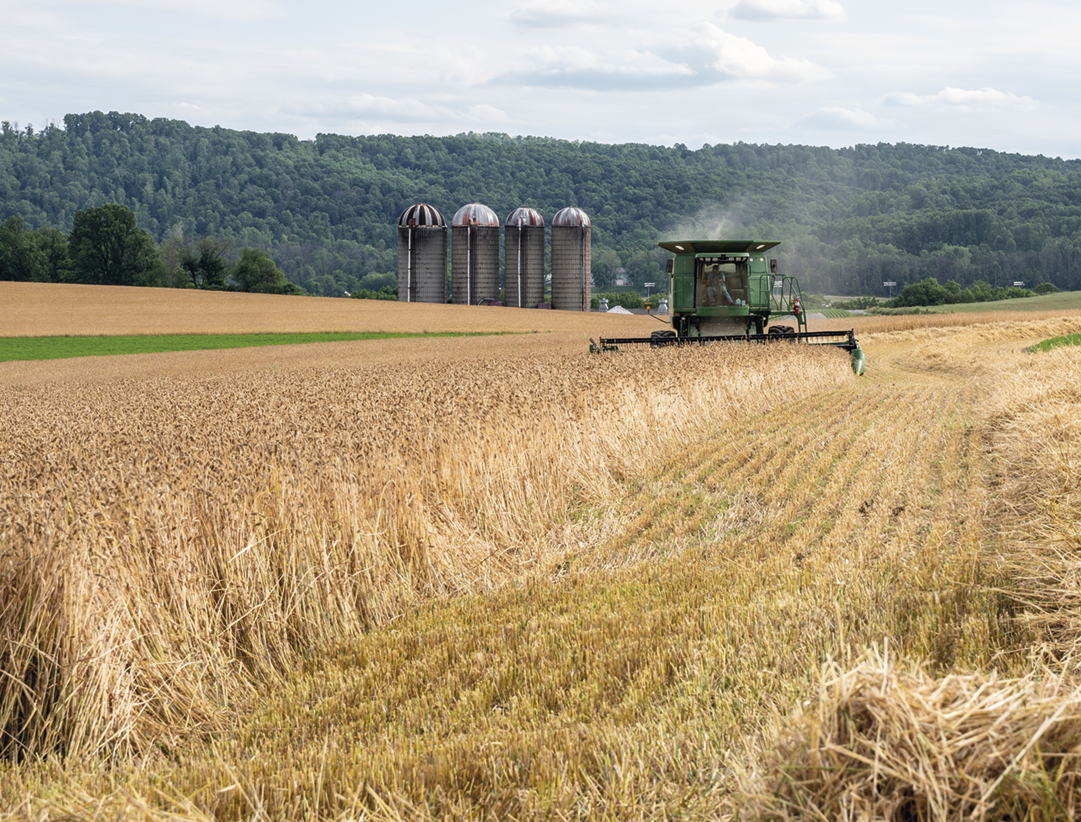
column 1037, row 439
column 166, row 543
column 878, row 744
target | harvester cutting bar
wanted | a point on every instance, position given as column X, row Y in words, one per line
column 845, row 340
column 841, row 339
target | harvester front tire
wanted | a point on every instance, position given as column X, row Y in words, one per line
column 780, row 332
column 665, row 337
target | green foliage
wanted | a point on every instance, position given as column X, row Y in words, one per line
column 625, row 299
column 1057, row 342
column 929, row 292
column 326, row 209
column 385, row 293
column 858, row 304
column 897, row 312
column 1046, row 288
column 198, row 263
column 32, row 256
column 108, row 248
column 256, row 271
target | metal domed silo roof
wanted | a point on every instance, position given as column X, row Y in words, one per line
column 475, row 214
column 570, row 216
column 525, row 216
column 421, row 214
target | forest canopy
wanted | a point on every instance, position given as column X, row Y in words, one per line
column 325, row 210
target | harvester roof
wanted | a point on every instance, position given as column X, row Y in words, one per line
column 716, row 246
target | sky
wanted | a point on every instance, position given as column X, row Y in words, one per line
column 837, row 73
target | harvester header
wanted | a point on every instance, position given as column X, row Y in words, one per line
column 729, row 291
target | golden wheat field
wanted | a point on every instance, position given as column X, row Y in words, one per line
column 502, row 578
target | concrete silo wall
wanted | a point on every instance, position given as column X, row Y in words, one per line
column 523, row 261
column 422, row 264
column 474, row 262
column 570, row 267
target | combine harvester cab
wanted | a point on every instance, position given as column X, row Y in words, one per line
column 729, row 291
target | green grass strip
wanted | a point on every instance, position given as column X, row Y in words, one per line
column 56, row 348
column 1056, row 342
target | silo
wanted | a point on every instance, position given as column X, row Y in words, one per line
column 570, row 260
column 422, row 255
column 474, row 255
column 523, row 258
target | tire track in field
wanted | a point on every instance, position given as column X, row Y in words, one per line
column 757, row 447
column 879, row 466
column 759, row 461
column 869, row 500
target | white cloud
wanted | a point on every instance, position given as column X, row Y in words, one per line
column 547, row 67
column 983, row 99
column 557, row 14
column 485, row 113
column 710, row 56
column 839, row 119
column 369, row 106
column 577, row 67
column 718, row 55
column 373, row 108
column 762, row 10
column 220, row 9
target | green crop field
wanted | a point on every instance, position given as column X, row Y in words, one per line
column 1062, row 301
column 57, row 348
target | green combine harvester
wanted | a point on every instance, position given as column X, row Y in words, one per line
column 728, row 291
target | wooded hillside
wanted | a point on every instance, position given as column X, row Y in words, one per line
column 325, row 209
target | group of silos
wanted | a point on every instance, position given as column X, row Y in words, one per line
column 474, row 276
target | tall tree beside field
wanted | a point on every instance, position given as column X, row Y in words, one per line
column 52, row 244
column 256, row 271
column 200, row 263
column 109, row 248
column 20, row 260
column 209, row 267
column 33, row 256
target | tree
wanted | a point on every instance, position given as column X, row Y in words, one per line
column 212, row 266
column 202, row 263
column 925, row 292
column 20, row 258
column 109, row 248
column 173, row 252
column 604, row 264
column 33, row 256
column 256, row 271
